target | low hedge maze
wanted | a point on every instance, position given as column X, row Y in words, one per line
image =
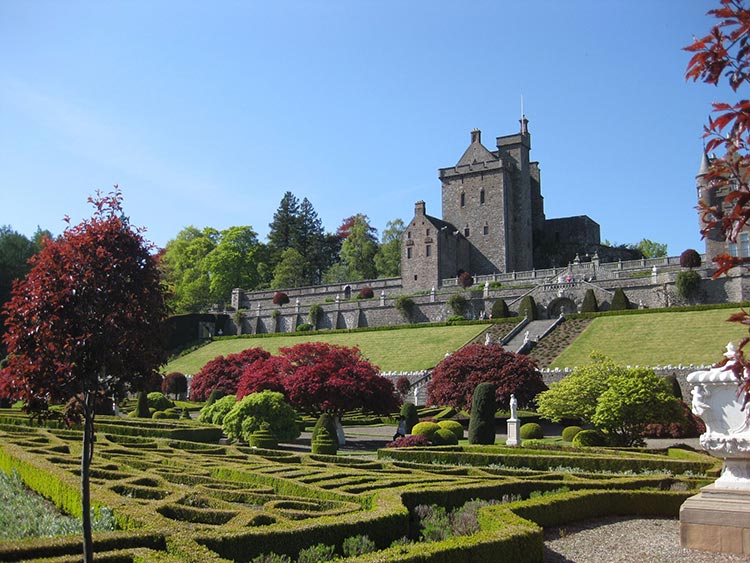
column 177, row 500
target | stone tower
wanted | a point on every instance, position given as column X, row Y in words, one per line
column 493, row 198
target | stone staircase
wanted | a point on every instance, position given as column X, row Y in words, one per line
column 532, row 332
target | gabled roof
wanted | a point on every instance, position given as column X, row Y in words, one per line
column 439, row 223
column 476, row 153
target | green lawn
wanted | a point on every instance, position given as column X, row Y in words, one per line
column 693, row 337
column 408, row 349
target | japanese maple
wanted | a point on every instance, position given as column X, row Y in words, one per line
column 223, row 373
column 456, row 376
column 86, row 320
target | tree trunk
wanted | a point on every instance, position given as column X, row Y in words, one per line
column 86, row 456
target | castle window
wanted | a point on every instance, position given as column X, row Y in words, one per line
column 408, row 253
column 481, row 198
column 428, row 232
column 485, row 230
column 463, row 200
column 466, row 232
column 733, row 249
column 408, row 234
column 428, row 250
column 744, row 245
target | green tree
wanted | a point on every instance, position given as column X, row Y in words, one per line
column 285, row 228
column 184, row 269
column 233, row 262
column 388, row 256
column 311, row 243
column 358, row 251
column 291, row 271
column 649, row 248
column 575, row 396
column 250, row 414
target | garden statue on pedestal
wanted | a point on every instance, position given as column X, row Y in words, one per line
column 514, row 428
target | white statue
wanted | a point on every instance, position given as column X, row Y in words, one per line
column 513, row 406
column 487, row 339
column 525, row 340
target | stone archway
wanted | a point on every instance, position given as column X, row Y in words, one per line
column 347, row 292
column 561, row 305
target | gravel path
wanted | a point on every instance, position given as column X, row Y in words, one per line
column 625, row 540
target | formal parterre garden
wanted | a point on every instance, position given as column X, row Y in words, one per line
column 178, row 494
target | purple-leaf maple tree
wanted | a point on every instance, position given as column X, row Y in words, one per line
column 456, row 376
column 223, row 373
column 86, row 321
column 317, row 377
column 724, row 54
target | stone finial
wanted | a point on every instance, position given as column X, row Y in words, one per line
column 476, row 136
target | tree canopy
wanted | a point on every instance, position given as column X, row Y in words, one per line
column 86, row 320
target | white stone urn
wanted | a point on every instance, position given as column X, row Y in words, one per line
column 727, row 436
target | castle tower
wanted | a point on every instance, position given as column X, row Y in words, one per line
column 494, row 199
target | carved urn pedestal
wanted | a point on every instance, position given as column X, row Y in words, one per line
column 718, row 518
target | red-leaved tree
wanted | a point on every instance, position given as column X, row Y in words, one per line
column 317, row 377
column 86, row 321
column 174, row 383
column 725, row 54
column 456, row 376
column 280, row 298
column 223, row 373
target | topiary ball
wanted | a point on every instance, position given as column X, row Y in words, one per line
column 588, row 439
column 444, row 437
column 531, row 431
column 426, row 429
column 569, row 432
column 454, row 427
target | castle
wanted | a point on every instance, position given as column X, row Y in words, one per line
column 493, row 220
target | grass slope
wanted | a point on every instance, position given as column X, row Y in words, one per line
column 408, row 349
column 692, row 337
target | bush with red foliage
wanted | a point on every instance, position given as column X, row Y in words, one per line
column 456, row 376
column 223, row 373
column 403, row 385
column 690, row 427
column 280, row 298
column 465, row 280
column 409, row 442
column 174, row 383
column 366, row 293
column 317, row 377
column 690, row 259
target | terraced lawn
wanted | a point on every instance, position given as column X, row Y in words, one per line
column 408, row 349
column 691, row 337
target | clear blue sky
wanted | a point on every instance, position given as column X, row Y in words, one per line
column 205, row 113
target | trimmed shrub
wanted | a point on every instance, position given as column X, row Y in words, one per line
column 690, row 259
column 444, row 437
column 500, row 309
column 458, row 304
column 314, row 314
column 263, row 438
column 325, row 421
column 365, row 293
column 406, row 306
column 409, row 412
column 531, row 431
column 589, row 304
column 688, row 284
column 455, row 319
column 454, row 427
column 280, row 298
column 569, row 432
column 620, row 301
column 674, row 385
column 482, row 421
column 527, row 308
column 141, row 410
column 304, row 327
column 409, row 442
column 325, row 442
column 158, row 401
column 426, row 429
column 589, row 438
